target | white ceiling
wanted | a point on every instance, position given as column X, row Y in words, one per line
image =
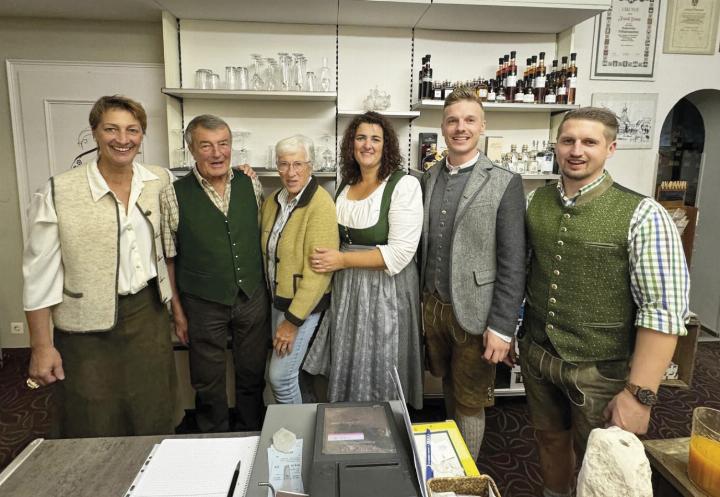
column 540, row 16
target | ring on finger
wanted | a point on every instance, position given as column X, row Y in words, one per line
column 32, row 384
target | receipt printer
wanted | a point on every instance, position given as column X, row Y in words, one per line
column 359, row 452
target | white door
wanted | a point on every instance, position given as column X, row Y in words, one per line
column 50, row 102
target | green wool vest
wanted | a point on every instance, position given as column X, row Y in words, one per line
column 377, row 234
column 217, row 255
column 578, row 291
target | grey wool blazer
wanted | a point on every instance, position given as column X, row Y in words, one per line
column 487, row 264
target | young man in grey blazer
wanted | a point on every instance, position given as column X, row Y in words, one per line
column 472, row 266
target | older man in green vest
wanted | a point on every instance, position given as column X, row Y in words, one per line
column 212, row 242
column 607, row 297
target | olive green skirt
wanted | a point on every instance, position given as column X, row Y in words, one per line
column 120, row 382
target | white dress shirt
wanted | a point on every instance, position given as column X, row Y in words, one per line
column 405, row 219
column 42, row 260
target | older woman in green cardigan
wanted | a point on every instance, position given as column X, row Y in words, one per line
column 296, row 219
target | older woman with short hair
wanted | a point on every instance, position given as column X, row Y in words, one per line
column 296, row 219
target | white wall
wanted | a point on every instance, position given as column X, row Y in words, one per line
column 45, row 39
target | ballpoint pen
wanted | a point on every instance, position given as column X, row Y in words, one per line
column 234, row 480
column 428, row 456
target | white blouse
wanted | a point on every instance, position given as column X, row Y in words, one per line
column 405, row 219
column 42, row 261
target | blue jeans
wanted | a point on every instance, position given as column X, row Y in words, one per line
column 284, row 371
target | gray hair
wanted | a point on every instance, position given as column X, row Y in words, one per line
column 295, row 143
column 206, row 121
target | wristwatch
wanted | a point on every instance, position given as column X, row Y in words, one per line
column 644, row 395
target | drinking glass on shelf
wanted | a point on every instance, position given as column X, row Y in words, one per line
column 257, row 83
column 285, row 62
column 310, row 82
column 325, row 76
column 298, row 72
column 214, row 81
column 269, row 74
column 230, row 78
column 241, row 76
column 202, row 78
column 326, row 153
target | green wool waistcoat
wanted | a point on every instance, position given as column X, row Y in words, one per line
column 217, row 255
column 578, row 292
column 377, row 234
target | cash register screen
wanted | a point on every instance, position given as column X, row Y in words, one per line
column 357, row 430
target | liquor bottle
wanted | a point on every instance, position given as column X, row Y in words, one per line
column 522, row 163
column 529, row 97
column 499, row 73
column 552, row 77
column 519, row 92
column 511, row 82
column 504, row 74
column 514, row 158
column 421, row 78
column 540, row 80
column 437, row 91
column 427, row 79
column 482, row 90
column 546, row 164
column 550, row 97
column 448, row 89
column 533, row 165
column 492, row 95
column 572, row 79
column 561, row 83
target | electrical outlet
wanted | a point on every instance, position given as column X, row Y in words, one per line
column 17, row 328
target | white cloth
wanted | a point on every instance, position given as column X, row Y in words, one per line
column 42, row 260
column 456, row 169
column 405, row 219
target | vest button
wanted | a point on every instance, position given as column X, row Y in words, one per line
column 550, row 327
column 558, row 257
column 563, row 229
column 556, row 272
column 443, row 211
column 566, row 216
column 561, row 243
column 552, row 300
column 553, row 286
column 551, row 314
column 239, row 281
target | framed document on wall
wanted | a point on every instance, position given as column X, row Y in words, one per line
column 625, row 39
column 691, row 26
column 635, row 113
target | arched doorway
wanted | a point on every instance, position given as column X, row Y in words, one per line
column 689, row 152
column 682, row 142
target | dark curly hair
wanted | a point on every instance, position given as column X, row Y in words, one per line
column 391, row 158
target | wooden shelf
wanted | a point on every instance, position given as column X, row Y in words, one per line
column 496, row 107
column 317, row 96
column 393, row 114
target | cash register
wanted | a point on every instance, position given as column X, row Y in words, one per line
column 359, row 452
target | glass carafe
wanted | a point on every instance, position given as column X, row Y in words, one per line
column 325, row 76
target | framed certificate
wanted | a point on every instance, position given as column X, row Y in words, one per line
column 691, row 26
column 625, row 39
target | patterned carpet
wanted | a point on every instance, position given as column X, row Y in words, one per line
column 508, row 452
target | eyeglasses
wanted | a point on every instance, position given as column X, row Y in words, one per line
column 297, row 165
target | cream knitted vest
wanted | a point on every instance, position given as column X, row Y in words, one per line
column 89, row 243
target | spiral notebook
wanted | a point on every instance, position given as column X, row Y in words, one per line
column 195, row 467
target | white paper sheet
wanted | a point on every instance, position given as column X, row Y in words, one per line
column 197, row 467
column 285, row 469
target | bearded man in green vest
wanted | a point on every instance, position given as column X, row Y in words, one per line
column 607, row 298
column 212, row 245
